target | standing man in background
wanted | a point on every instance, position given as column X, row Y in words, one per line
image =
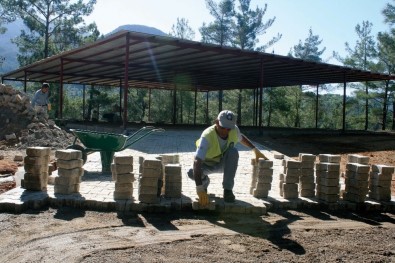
column 41, row 103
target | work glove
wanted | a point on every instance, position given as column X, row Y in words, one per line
column 258, row 154
column 49, row 106
column 203, row 197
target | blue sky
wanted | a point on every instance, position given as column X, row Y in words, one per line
column 333, row 20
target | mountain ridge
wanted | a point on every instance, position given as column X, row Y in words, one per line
column 9, row 50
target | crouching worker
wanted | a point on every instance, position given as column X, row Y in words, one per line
column 216, row 153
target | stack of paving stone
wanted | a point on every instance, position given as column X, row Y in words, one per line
column 149, row 184
column 36, row 168
column 173, row 181
column 328, row 178
column 122, row 174
column 357, row 178
column 289, row 179
column 306, row 180
column 380, row 182
column 69, row 163
column 167, row 159
column 262, row 177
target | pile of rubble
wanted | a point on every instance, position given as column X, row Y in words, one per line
column 19, row 126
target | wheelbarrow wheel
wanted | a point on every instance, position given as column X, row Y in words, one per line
column 79, row 148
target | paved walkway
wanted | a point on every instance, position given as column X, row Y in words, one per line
column 96, row 189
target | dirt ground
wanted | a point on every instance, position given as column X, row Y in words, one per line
column 73, row 235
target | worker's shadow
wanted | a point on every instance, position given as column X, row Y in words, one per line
column 256, row 226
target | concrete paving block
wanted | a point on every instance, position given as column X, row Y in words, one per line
column 264, row 172
column 278, row 156
column 357, row 176
column 61, row 180
column 152, row 163
column 356, row 158
column 38, row 151
column 290, row 195
column 68, row 154
column 306, row 179
column 123, row 194
column 125, row 178
column 170, row 158
column 66, row 189
column 291, row 179
column 151, row 172
column 148, row 190
column 329, row 158
column 121, row 168
column 356, row 190
column 358, row 168
column 75, row 172
column 36, row 169
column 328, row 174
column 123, row 159
column 356, row 183
column 173, row 169
column 149, row 181
column 265, row 179
column 326, row 166
column 211, row 205
column 307, row 157
column 307, row 165
column 36, row 160
column 262, row 163
column 355, row 198
column 383, row 169
column 148, row 198
column 292, row 172
column 34, row 186
column 307, row 172
column 307, row 186
column 70, row 164
column 380, row 183
column 328, row 181
column 123, row 187
column 328, row 198
column 291, row 164
column 175, row 178
column 328, row 190
column 376, row 176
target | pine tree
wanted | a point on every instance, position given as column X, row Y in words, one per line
column 307, row 50
column 361, row 57
column 54, row 26
column 182, row 30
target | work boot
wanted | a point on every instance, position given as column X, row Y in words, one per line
column 229, row 197
column 190, row 174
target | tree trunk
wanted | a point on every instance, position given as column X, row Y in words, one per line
column 393, row 116
column 366, row 107
column 385, row 106
column 239, row 109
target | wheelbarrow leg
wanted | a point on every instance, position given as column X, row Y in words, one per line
column 106, row 160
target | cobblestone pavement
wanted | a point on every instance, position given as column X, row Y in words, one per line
column 96, row 189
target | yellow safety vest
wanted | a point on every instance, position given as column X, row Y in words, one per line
column 214, row 153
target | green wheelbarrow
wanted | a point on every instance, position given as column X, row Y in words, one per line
column 106, row 143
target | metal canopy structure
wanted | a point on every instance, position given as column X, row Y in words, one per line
column 162, row 62
column 137, row 60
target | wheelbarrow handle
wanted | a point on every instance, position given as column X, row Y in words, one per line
column 128, row 143
column 140, row 130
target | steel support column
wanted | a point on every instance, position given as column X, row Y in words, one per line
column 61, row 90
column 316, row 109
column 194, row 113
column 126, row 83
column 260, row 100
column 83, row 103
column 344, row 103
